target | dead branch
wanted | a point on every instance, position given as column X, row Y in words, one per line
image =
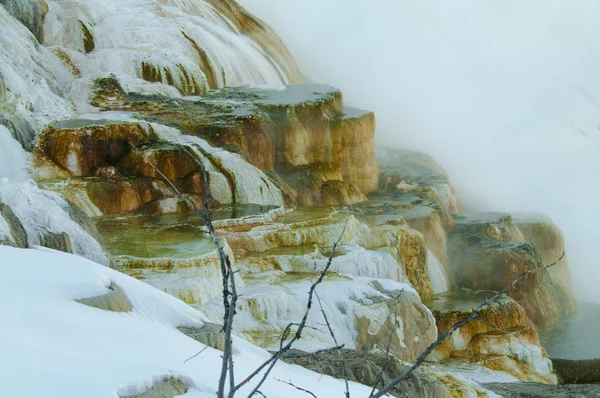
column 289, row 383
column 387, row 357
column 456, row 326
column 194, row 356
column 342, row 360
column 270, row 363
column 229, row 297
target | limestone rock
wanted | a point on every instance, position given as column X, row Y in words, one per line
column 500, row 338
column 301, row 133
column 29, row 13
column 56, row 240
column 449, row 308
column 2, row 90
column 487, row 226
column 262, row 34
column 115, row 300
column 493, row 265
column 548, row 240
column 412, row 249
column 210, row 334
column 87, row 37
column 363, row 313
column 13, row 234
column 487, row 252
column 81, row 146
column 414, row 172
column 171, row 160
column 170, row 388
column 364, row 367
column 398, row 314
column 340, row 193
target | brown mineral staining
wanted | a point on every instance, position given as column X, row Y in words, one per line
column 205, row 64
column 302, row 134
column 80, row 146
column 67, row 61
column 88, row 39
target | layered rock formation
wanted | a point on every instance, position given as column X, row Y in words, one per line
column 321, row 151
column 500, row 338
column 488, row 252
column 138, row 98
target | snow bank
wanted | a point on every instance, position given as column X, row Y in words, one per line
column 56, row 347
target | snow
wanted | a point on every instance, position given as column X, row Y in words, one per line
column 40, row 210
column 13, row 158
column 57, row 347
column 267, row 306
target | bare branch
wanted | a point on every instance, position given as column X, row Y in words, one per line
column 192, row 357
column 229, row 297
column 456, row 326
column 342, row 360
column 387, row 357
column 289, row 383
column 273, row 360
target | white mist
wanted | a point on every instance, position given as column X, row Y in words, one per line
column 504, row 94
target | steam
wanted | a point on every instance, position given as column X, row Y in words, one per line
column 504, row 94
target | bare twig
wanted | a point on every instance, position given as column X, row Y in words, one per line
column 192, row 357
column 342, row 360
column 456, row 326
column 289, row 383
column 229, row 297
column 387, row 357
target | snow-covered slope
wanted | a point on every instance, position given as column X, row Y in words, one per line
column 57, row 347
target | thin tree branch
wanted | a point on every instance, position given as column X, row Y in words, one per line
column 289, row 383
column 192, row 357
column 229, row 298
column 273, row 360
column 342, row 360
column 387, row 357
column 456, row 326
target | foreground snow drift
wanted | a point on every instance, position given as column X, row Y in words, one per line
column 53, row 346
